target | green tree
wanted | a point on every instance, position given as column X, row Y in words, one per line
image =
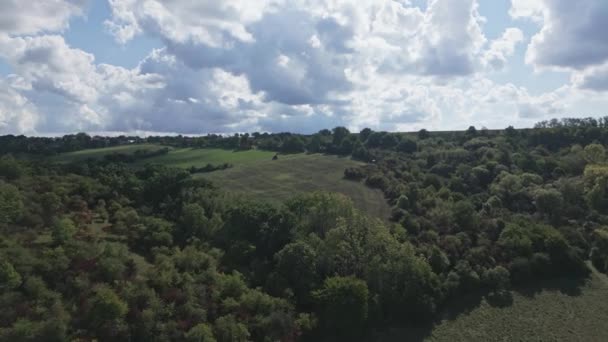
column 193, row 222
column 423, row 134
column 297, row 263
column 595, row 153
column 11, row 203
column 200, row 333
column 497, row 278
column 314, row 146
column 293, row 144
column 9, row 277
column 10, row 169
column 364, row 134
column 343, row 307
column 339, row 134
column 228, row 328
column 106, row 306
column 549, row 202
column 63, row 230
column 407, row 145
column 51, row 206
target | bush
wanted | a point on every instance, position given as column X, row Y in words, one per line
column 354, row 173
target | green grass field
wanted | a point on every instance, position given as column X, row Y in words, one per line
column 256, row 175
column 101, row 152
column 560, row 312
column 199, row 157
column 278, row 180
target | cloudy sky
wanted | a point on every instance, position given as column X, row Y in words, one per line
column 209, row 66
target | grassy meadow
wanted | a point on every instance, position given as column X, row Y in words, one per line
column 97, row 153
column 199, row 157
column 255, row 174
column 278, row 180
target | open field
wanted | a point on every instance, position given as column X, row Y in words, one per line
column 256, row 175
column 101, row 152
column 199, row 157
column 560, row 312
column 282, row 179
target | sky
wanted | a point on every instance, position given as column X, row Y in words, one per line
column 208, row 66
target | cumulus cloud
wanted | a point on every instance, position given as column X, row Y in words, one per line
column 17, row 114
column 572, row 35
column 278, row 65
column 451, row 38
column 67, row 84
column 34, row 16
column 502, row 48
column 594, row 78
column 532, row 9
column 207, row 22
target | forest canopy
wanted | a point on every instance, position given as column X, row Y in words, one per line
column 110, row 249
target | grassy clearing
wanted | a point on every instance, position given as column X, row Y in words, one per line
column 256, row 175
column 278, row 180
column 560, row 312
column 101, row 152
column 197, row 157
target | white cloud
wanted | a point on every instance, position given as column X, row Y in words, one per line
column 502, row 48
column 67, row 85
column 19, row 17
column 278, row 65
column 532, row 9
column 572, row 35
column 17, row 114
column 203, row 21
column 593, row 78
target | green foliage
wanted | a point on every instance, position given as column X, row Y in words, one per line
column 63, row 230
column 194, row 223
column 227, row 328
column 339, row 135
column 10, row 169
column 297, row 263
column 595, row 153
column 11, row 203
column 9, row 278
column 293, row 144
column 343, row 307
column 200, row 333
column 407, row 146
column 549, row 202
column 112, row 249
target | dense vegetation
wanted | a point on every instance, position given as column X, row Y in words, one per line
column 103, row 249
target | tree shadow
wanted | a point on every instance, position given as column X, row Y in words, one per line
column 568, row 286
column 463, row 305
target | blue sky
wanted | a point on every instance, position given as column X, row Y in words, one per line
column 196, row 67
column 88, row 33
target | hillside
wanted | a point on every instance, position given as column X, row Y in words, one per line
column 560, row 311
column 254, row 174
column 452, row 236
column 280, row 180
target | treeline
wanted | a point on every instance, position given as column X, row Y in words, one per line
column 54, row 145
column 553, row 134
column 138, row 155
